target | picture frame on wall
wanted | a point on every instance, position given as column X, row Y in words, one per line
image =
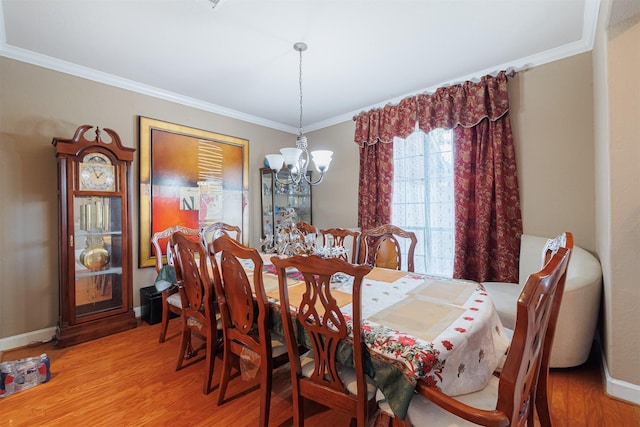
column 190, row 177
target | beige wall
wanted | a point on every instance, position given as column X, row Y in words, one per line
column 36, row 105
column 617, row 91
column 335, row 202
column 552, row 117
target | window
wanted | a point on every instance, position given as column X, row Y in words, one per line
column 423, row 197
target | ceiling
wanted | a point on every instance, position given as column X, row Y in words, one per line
column 237, row 58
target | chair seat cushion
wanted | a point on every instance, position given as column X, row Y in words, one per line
column 194, row 322
column 278, row 345
column 383, row 404
column 423, row 412
column 174, row 300
column 347, row 375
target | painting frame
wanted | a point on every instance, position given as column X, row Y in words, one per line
column 182, row 170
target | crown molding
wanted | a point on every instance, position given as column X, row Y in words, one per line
column 122, row 83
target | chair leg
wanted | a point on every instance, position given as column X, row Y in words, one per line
column 210, row 361
column 165, row 320
column 298, row 415
column 226, row 371
column 265, row 390
column 185, row 341
column 542, row 404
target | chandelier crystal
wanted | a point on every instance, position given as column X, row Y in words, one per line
column 295, row 161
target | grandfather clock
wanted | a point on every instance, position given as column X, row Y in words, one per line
column 94, row 194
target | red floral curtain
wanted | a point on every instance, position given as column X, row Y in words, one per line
column 487, row 212
column 487, row 200
column 375, row 189
column 375, row 186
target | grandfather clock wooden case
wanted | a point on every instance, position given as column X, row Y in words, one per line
column 94, row 193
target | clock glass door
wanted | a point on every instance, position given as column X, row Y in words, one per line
column 98, row 255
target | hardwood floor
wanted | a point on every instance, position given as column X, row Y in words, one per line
column 129, row 379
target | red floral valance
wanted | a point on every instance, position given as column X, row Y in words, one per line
column 463, row 105
column 386, row 123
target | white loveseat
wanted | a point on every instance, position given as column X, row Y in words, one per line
column 580, row 302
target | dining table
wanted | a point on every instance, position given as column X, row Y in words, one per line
column 443, row 331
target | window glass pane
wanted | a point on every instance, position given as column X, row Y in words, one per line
column 399, row 191
column 399, row 170
column 415, row 192
column 423, row 200
column 401, row 212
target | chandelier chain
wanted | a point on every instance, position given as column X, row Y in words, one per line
column 295, row 161
column 300, row 84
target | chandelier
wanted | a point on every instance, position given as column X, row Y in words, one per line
column 295, row 161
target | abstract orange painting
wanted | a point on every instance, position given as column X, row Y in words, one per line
column 189, row 177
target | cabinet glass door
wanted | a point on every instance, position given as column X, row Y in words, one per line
column 267, row 202
column 279, row 199
column 98, row 254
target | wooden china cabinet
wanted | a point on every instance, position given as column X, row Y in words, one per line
column 277, row 198
column 95, row 276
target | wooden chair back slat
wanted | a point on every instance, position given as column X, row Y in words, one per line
column 339, row 236
column 306, row 228
column 213, row 231
column 380, row 247
column 160, row 239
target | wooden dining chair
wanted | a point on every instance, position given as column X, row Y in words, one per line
column 306, row 228
column 563, row 240
column 213, row 231
column 317, row 375
column 171, row 302
column 505, row 295
column 246, row 323
column 381, row 247
column 198, row 310
column 510, row 399
column 340, row 236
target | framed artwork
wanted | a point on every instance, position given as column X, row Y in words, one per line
column 189, row 177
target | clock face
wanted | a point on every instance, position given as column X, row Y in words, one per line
column 98, row 158
column 97, row 173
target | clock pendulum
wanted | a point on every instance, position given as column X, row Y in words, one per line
column 95, row 256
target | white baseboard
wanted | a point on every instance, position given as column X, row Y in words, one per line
column 42, row 335
column 616, row 388
column 22, row 340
